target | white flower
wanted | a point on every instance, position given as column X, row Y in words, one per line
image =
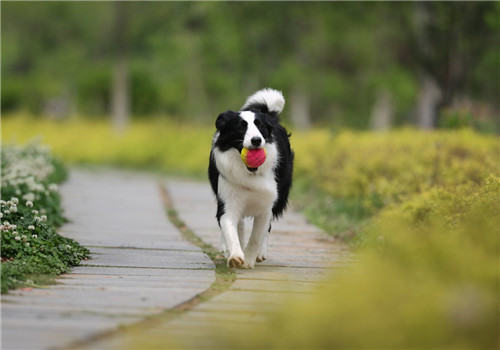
column 17, row 238
column 6, row 223
column 7, row 212
column 27, row 244
column 68, row 246
column 31, row 227
column 53, row 187
column 29, row 197
column 1, row 215
column 13, row 209
column 34, row 236
column 29, row 204
column 13, row 227
column 34, row 211
column 43, row 218
column 14, row 200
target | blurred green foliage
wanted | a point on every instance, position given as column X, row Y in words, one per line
column 420, row 281
column 379, row 169
column 425, row 204
column 158, row 145
column 341, row 179
column 194, row 60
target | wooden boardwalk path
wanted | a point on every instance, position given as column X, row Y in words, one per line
column 141, row 265
column 300, row 256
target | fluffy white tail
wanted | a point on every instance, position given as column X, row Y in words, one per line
column 271, row 99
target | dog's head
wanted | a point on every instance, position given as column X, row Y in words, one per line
column 244, row 129
column 252, row 127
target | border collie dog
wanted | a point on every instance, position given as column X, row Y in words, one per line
column 241, row 191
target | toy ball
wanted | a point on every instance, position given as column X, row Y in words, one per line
column 253, row 158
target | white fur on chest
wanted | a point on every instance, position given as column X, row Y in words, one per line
column 245, row 193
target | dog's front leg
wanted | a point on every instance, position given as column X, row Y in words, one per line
column 229, row 230
column 257, row 239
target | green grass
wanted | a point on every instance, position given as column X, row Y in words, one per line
column 33, row 254
column 426, row 277
column 343, row 218
column 224, row 275
column 422, row 208
column 341, row 179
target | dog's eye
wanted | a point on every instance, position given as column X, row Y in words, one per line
column 257, row 122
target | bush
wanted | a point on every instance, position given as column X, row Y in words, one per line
column 159, row 144
column 30, row 245
column 341, row 180
column 421, row 281
column 385, row 168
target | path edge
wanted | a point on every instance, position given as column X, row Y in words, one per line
column 224, row 278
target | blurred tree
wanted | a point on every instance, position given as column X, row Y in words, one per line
column 343, row 64
column 447, row 42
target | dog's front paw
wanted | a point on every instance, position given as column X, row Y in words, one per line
column 236, row 261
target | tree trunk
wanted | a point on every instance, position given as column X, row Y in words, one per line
column 382, row 111
column 300, row 109
column 428, row 99
column 120, row 92
column 120, row 99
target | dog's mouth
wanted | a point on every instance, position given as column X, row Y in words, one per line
column 252, row 170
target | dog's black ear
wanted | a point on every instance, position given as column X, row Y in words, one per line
column 224, row 118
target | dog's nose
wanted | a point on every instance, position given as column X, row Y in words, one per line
column 256, row 141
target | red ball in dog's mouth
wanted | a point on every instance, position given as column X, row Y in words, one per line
column 253, row 158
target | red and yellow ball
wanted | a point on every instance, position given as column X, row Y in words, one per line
column 253, row 158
